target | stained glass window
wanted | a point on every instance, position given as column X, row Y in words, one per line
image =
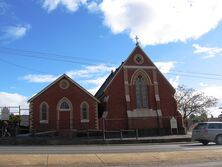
column 141, row 92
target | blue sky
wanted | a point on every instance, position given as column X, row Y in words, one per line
column 86, row 39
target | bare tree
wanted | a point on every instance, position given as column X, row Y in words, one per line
column 191, row 101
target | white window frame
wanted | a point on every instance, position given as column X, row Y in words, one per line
column 64, row 109
column 47, row 113
column 81, row 112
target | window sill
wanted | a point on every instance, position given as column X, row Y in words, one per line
column 64, row 110
column 44, row 122
column 84, row 121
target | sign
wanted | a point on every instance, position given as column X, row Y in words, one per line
column 173, row 123
column 5, row 113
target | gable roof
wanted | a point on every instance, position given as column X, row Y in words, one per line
column 112, row 75
column 58, row 79
column 99, row 93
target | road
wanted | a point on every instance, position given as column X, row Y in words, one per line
column 95, row 149
column 138, row 155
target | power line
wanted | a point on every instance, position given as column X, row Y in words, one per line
column 14, row 50
column 40, row 55
column 31, row 69
column 198, row 73
column 194, row 76
column 51, row 59
column 20, row 66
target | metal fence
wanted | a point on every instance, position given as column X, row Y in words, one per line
column 14, row 128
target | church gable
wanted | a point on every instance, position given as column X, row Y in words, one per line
column 64, row 84
column 138, row 58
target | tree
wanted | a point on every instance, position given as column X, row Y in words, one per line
column 14, row 118
column 191, row 101
column 198, row 118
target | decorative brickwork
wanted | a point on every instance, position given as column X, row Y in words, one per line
column 140, row 97
column 64, row 107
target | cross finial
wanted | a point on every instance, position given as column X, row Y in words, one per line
column 137, row 40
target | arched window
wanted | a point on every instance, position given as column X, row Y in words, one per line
column 64, row 105
column 141, row 92
column 44, row 109
column 84, row 112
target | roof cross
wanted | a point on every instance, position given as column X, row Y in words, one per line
column 137, row 40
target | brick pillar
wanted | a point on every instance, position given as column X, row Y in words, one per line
column 157, row 97
column 31, row 119
column 127, row 95
column 126, row 87
column 96, row 116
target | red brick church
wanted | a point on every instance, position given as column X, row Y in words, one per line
column 63, row 105
column 135, row 96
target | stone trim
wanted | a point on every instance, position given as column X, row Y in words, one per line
column 143, row 73
column 143, row 113
column 157, row 97
column 127, row 98
column 105, row 113
column 138, row 67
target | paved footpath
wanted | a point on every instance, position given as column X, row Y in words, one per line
column 170, row 158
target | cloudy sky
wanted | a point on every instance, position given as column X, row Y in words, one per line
column 86, row 39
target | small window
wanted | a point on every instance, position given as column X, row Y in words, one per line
column 138, row 59
column 64, row 84
column 44, row 113
column 84, row 112
column 64, row 106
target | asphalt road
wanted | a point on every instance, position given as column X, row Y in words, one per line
column 95, row 149
column 138, row 155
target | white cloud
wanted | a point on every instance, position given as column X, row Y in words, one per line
column 175, row 81
column 97, row 83
column 202, row 84
column 207, row 52
column 214, row 91
column 90, row 77
column 71, row 5
column 93, row 6
column 88, row 71
column 39, row 78
column 159, row 22
column 93, row 90
column 15, row 32
column 155, row 22
column 94, row 71
column 13, row 99
column 165, row 67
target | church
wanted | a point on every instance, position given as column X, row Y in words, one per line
column 134, row 96
column 138, row 96
column 63, row 105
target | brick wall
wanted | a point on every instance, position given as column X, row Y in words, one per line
column 52, row 96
